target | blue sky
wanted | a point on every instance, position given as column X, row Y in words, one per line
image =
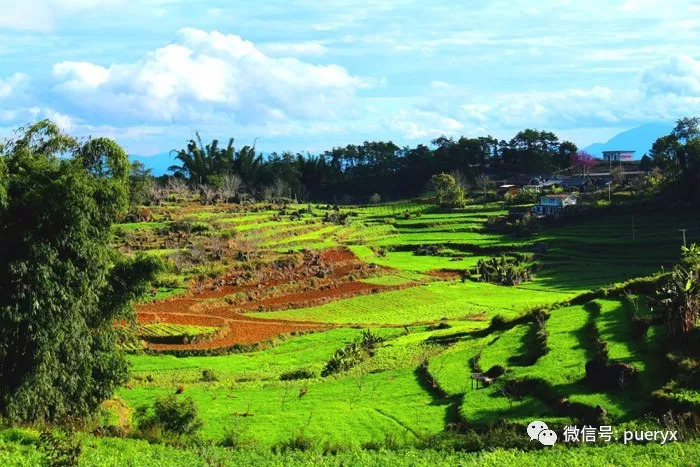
column 308, row 75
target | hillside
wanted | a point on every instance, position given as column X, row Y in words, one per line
column 323, row 278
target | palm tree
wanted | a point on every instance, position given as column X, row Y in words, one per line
column 199, row 162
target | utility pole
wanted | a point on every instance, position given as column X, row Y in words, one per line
column 683, row 230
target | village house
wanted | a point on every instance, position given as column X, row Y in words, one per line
column 551, row 204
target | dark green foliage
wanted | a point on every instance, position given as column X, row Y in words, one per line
column 140, row 184
column 503, row 270
column 61, row 285
column 678, row 157
column 495, row 371
column 343, row 359
column 615, row 376
column 209, row 376
column 300, row 373
column 370, row 341
column 62, row 449
column 597, row 348
column 352, row 354
column 678, row 297
column 170, row 416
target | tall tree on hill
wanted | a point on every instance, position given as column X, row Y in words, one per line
column 678, row 156
column 199, row 162
column 61, row 284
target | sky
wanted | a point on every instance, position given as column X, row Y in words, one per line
column 309, row 75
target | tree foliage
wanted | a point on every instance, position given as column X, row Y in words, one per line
column 61, row 285
column 679, row 296
column 678, row 156
column 357, row 171
column 448, row 193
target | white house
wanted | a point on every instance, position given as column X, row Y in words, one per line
column 551, row 204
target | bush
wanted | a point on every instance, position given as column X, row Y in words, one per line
column 495, row 371
column 169, row 415
column 209, row 376
column 503, row 270
column 61, row 448
column 301, row 373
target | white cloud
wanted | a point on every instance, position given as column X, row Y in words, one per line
column 418, row 124
column 41, row 15
column 310, row 48
column 679, row 76
column 205, row 73
column 666, row 91
column 8, row 85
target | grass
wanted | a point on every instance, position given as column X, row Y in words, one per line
column 387, row 395
column 19, row 448
column 434, row 301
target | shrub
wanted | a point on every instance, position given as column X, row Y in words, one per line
column 369, row 341
column 301, row 373
column 61, row 448
column 495, row 371
column 503, row 270
column 169, row 415
column 209, row 376
column 300, row 442
column 343, row 359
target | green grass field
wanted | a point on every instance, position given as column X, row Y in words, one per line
column 416, row 383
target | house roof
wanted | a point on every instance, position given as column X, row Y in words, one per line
column 573, row 182
column 551, row 182
column 558, row 196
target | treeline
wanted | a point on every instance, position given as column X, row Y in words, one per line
column 355, row 173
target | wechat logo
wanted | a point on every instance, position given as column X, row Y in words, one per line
column 539, row 431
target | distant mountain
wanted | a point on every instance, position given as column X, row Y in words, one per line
column 639, row 139
column 159, row 163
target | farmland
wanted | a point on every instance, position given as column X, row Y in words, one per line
column 356, row 329
column 258, row 299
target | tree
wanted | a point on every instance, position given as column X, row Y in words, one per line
column 484, row 182
column 199, row 162
column 140, row 185
column 584, row 161
column 449, row 195
column 646, row 164
column 679, row 296
column 678, row 156
column 231, row 186
column 618, row 175
column 61, row 284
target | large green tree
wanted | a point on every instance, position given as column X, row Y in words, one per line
column 678, row 156
column 61, row 285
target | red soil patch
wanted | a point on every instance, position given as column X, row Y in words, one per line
column 445, row 274
column 314, row 297
column 312, row 283
column 337, row 256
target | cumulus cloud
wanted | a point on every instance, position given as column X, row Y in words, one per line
column 204, row 73
column 679, row 76
column 665, row 91
column 310, row 48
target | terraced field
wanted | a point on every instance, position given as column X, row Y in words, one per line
column 268, row 296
